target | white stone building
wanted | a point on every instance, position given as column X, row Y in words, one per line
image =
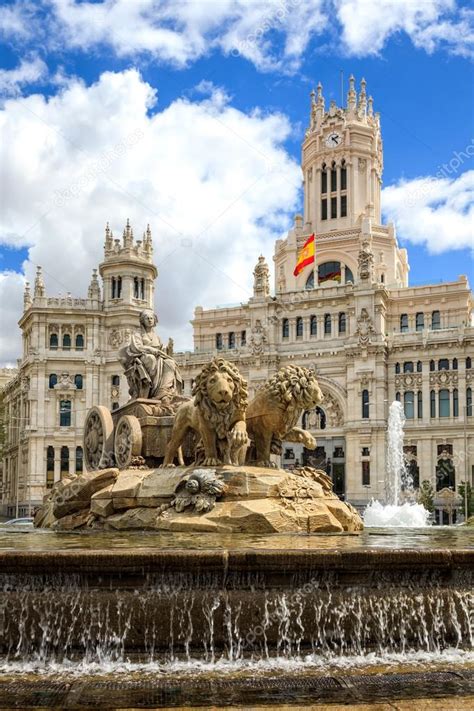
column 352, row 316
column 69, row 363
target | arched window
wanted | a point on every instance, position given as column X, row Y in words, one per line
column 65, row 413
column 342, row 322
column 404, row 323
column 455, row 363
column 324, row 179
column 231, row 340
column 49, row 467
column 67, row 342
column 444, row 408
column 432, row 404
column 78, row 381
column 243, row 338
column 409, row 405
column 398, row 397
column 53, row 341
column 420, row 405
column 382, row 278
column 468, row 363
column 113, row 290
column 64, row 461
column 327, row 324
column 324, row 209
column 285, row 328
column 432, row 366
column 435, row 321
column 420, row 321
column 329, row 271
column 115, row 406
column 419, row 367
column 365, row 405
column 299, row 327
column 219, row 341
column 455, row 403
column 397, row 368
column 443, row 364
column 142, row 289
column 469, row 402
column 349, row 276
column 135, row 287
column 310, row 281
column 119, row 287
column 408, row 366
column 313, row 326
column 53, row 380
column 116, row 380
column 79, row 342
column 79, row 460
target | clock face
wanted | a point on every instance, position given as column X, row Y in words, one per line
column 334, row 139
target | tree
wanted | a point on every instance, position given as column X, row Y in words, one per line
column 426, row 495
column 470, row 498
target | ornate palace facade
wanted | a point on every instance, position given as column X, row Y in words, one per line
column 69, row 363
column 351, row 315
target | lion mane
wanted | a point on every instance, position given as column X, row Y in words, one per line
column 220, row 420
column 292, row 385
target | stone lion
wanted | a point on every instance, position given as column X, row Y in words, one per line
column 275, row 410
column 217, row 414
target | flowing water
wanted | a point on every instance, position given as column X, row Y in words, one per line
column 399, row 483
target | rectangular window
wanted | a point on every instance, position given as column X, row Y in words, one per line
column 243, row 338
column 366, row 473
column 343, row 205
column 343, row 178
column 333, row 180
column 444, row 409
column 324, row 182
column 409, row 405
column 365, row 452
column 432, row 404
column 420, row 321
column 65, row 413
column 324, row 209
column 420, row 405
column 365, row 405
column 333, row 207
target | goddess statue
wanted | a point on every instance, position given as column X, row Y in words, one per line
column 150, row 370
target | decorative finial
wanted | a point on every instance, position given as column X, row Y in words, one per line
column 27, row 300
column 261, row 274
column 371, row 106
column 39, row 283
column 94, row 287
column 351, row 94
column 362, row 98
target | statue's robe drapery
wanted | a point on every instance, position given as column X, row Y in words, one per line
column 150, row 371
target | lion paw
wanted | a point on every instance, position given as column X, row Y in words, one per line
column 166, row 466
column 210, row 462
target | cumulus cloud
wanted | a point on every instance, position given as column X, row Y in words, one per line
column 272, row 34
column 28, row 71
column 436, row 212
column 215, row 183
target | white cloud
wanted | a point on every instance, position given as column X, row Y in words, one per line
column 215, row 183
column 272, row 34
column 28, row 71
column 437, row 213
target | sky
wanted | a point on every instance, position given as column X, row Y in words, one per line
column 189, row 116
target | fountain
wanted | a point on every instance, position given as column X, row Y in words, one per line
column 187, row 568
column 399, row 483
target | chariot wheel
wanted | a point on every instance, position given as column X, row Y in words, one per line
column 98, row 438
column 128, row 440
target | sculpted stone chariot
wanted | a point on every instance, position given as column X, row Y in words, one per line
column 150, row 370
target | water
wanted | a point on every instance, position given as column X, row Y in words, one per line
column 398, row 482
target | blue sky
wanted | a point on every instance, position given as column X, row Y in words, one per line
column 251, row 64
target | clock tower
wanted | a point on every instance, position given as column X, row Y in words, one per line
column 342, row 163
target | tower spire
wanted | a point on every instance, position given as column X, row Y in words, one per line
column 351, row 94
column 362, row 98
column 94, row 287
column 128, row 235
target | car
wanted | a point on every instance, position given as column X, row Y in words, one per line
column 24, row 522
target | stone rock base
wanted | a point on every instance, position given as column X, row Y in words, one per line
column 241, row 499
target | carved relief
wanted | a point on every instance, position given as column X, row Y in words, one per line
column 365, row 328
column 366, row 261
column 118, row 336
column 258, row 338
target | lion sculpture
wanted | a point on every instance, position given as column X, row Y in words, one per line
column 217, row 414
column 274, row 412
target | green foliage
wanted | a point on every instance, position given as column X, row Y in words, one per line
column 426, row 495
column 470, row 498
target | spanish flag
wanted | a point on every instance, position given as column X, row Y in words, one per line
column 306, row 256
